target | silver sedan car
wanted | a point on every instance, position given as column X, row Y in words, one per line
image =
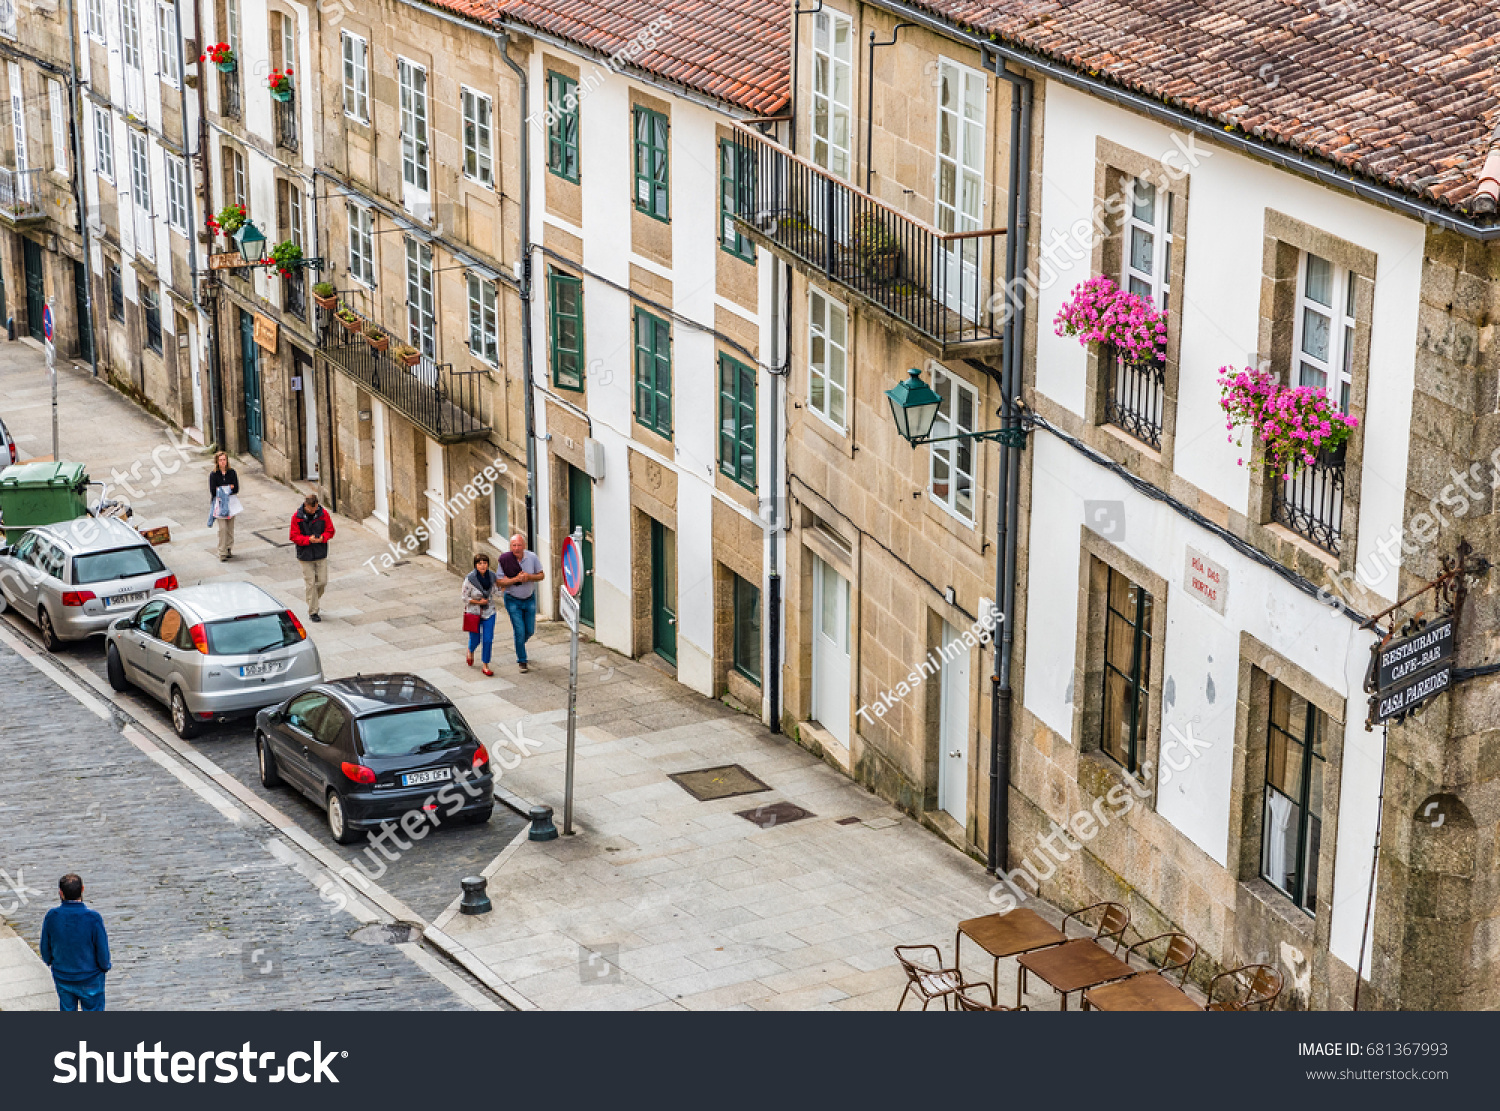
column 212, row 652
column 75, row 578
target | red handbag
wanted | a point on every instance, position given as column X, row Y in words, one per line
column 471, row 623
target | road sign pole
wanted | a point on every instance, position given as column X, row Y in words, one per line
column 572, row 701
column 52, row 373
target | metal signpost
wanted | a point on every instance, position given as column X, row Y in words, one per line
column 52, row 373
column 572, row 581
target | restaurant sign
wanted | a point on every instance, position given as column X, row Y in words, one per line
column 1409, row 695
column 1411, row 655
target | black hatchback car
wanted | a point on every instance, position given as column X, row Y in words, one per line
column 375, row 749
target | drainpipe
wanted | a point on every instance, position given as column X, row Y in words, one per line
column 774, row 508
column 870, row 97
column 797, row 13
column 80, row 197
column 192, row 210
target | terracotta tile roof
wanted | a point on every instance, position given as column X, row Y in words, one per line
column 1406, row 92
column 736, row 51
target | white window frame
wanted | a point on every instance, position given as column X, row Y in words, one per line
column 474, row 106
column 414, row 104
column 18, row 118
column 59, row 114
column 821, row 369
column 232, row 25
column 362, row 244
column 421, row 308
column 484, row 319
column 238, row 168
column 950, row 454
column 104, row 143
column 166, row 42
column 1148, row 212
column 295, row 230
column 140, row 193
column 8, row 19
column 177, row 195
column 499, row 499
column 829, row 64
column 1337, row 370
column 98, row 29
column 356, row 54
column 131, row 35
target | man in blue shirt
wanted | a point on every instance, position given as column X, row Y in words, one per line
column 76, row 948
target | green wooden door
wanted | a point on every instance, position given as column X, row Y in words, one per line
column 664, row 591
column 581, row 515
column 81, row 310
column 36, row 293
column 250, row 357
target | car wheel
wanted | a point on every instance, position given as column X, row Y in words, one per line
column 479, row 817
column 49, row 635
column 115, row 668
column 182, row 718
column 269, row 775
column 338, row 820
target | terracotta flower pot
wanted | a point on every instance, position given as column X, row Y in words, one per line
column 329, row 302
column 355, row 325
column 378, row 344
column 410, row 359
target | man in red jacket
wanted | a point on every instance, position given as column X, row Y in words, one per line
column 312, row 529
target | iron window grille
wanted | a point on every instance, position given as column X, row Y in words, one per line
column 1127, row 670
column 1134, row 395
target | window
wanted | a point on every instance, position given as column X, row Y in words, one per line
column 177, row 193
column 236, row 184
column 412, row 80
column 478, row 149
column 651, row 163
column 833, row 83
column 96, row 19
column 287, row 47
column 1291, row 828
column 653, row 373
column 500, row 512
column 151, row 307
column 59, row 114
column 483, row 337
column 421, row 317
column 362, row 245
column 828, row 358
column 232, row 25
column 130, row 34
column 562, row 126
column 1147, row 254
column 1127, row 669
column 292, row 221
column 1324, row 327
column 737, row 421
column 104, row 143
column 8, row 19
column 116, row 292
column 17, row 112
column 747, row 629
column 952, row 465
column 166, row 42
column 736, row 194
column 140, row 191
column 356, row 77
column 565, row 297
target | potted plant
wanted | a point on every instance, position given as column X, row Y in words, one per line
column 280, row 83
column 376, row 337
column 229, row 219
column 220, row 55
column 349, row 319
column 284, row 258
column 1298, row 426
column 1100, row 312
column 876, row 247
column 406, row 353
column 324, row 295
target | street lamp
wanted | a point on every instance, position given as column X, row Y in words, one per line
column 914, row 407
column 251, row 243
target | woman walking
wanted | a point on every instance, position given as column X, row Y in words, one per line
column 479, row 610
column 223, row 493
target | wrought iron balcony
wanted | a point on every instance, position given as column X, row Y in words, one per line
column 294, row 294
column 229, row 94
column 286, row 123
column 21, row 196
column 933, row 285
column 1311, row 502
column 1133, row 395
column 443, row 402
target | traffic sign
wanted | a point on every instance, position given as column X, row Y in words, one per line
column 568, row 604
column 572, row 566
column 47, row 323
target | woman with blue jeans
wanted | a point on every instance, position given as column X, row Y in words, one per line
column 479, row 599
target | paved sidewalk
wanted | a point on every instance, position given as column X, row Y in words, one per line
column 661, row 900
column 25, row 982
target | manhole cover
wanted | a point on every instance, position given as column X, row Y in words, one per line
column 387, row 933
column 775, row 814
column 718, row 783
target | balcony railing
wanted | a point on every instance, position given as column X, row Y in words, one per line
column 1133, row 397
column 229, row 94
column 286, row 123
column 1311, row 502
column 294, row 294
column 443, row 402
column 21, row 196
column 936, row 283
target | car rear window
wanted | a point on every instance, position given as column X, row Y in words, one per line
column 122, row 563
column 406, row 732
column 247, row 636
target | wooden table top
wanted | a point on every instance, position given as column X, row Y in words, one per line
column 1005, row 935
column 1075, row 964
column 1149, row 992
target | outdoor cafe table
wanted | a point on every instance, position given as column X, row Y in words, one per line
column 1148, row 991
column 1072, row 966
column 1007, row 935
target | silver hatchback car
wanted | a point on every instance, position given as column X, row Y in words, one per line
column 211, row 652
column 75, row 578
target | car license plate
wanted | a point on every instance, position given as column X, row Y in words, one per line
column 416, row 779
column 125, row 599
column 250, row 671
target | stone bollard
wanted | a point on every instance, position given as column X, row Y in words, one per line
column 542, row 828
column 475, row 901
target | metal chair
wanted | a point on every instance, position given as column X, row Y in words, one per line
column 1181, row 950
column 929, row 981
column 964, row 1001
column 1256, row 987
column 1112, row 923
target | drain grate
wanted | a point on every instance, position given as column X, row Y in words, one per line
column 387, row 933
column 846, row 821
column 775, row 814
column 725, row 782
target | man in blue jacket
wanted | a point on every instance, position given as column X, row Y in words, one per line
column 76, row 948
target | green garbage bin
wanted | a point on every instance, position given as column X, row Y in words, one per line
column 33, row 494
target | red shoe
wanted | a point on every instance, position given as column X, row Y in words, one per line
column 487, row 670
column 469, row 659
